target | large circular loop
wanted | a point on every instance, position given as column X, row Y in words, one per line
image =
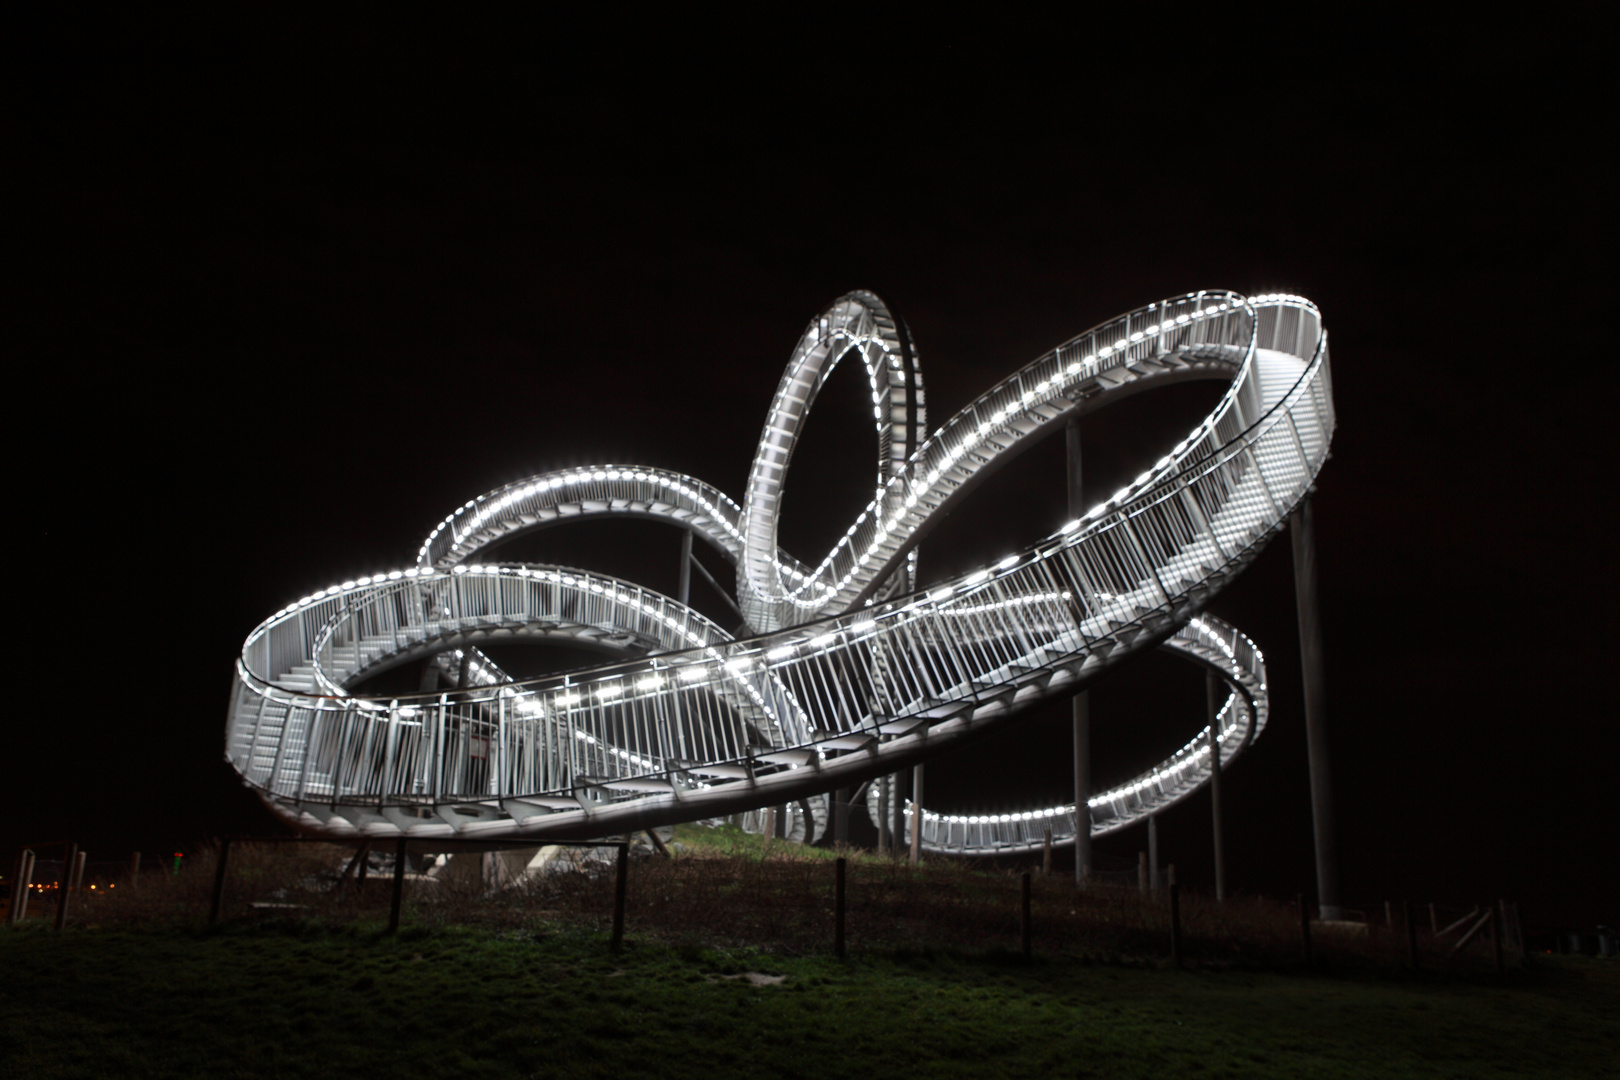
column 711, row 724
column 860, row 323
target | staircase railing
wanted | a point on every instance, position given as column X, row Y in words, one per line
column 1130, row 574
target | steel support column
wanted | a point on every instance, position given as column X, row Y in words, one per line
column 1082, row 701
column 916, row 813
column 897, row 814
column 1303, row 532
column 884, row 785
column 1153, row 853
column 1212, row 690
column 684, row 590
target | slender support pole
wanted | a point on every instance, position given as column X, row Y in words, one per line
column 134, row 869
column 64, row 887
column 703, row 573
column 25, row 882
column 1411, row 934
column 883, row 814
column 1303, row 532
column 1485, row 919
column 1458, row 925
column 398, row 896
column 78, row 871
column 1305, row 928
column 1024, row 922
column 1046, row 854
column 1212, row 690
column 353, row 866
column 1153, row 853
column 1175, row 924
column 897, row 808
column 768, row 830
column 1082, row 786
column 16, row 880
column 1141, row 873
column 838, row 908
column 219, row 881
column 19, row 887
column 916, row 813
column 618, row 896
column 1510, row 938
column 684, row 591
column 1082, row 700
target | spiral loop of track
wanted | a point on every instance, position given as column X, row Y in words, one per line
column 845, row 673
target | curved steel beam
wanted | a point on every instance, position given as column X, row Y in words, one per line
column 841, row 692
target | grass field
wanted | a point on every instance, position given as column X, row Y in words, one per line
column 727, row 972
column 303, row 1000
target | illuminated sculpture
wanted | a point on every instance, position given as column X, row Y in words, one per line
column 850, row 675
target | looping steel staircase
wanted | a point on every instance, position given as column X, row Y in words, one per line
column 848, row 673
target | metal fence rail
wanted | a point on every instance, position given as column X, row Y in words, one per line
column 694, row 723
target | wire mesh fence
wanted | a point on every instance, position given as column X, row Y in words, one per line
column 730, row 890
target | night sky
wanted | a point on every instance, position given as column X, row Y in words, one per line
column 284, row 292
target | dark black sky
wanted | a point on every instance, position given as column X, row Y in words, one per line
column 289, row 290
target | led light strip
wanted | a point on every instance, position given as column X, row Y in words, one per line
column 764, row 678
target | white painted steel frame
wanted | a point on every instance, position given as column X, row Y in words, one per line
column 691, row 722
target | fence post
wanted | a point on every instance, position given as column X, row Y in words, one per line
column 1025, row 920
column 64, row 885
column 219, row 881
column 838, row 910
column 618, row 896
column 1175, row 923
column 399, row 886
column 1305, row 929
column 1411, row 934
column 78, row 870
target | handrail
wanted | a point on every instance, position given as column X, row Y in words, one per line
column 710, row 721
